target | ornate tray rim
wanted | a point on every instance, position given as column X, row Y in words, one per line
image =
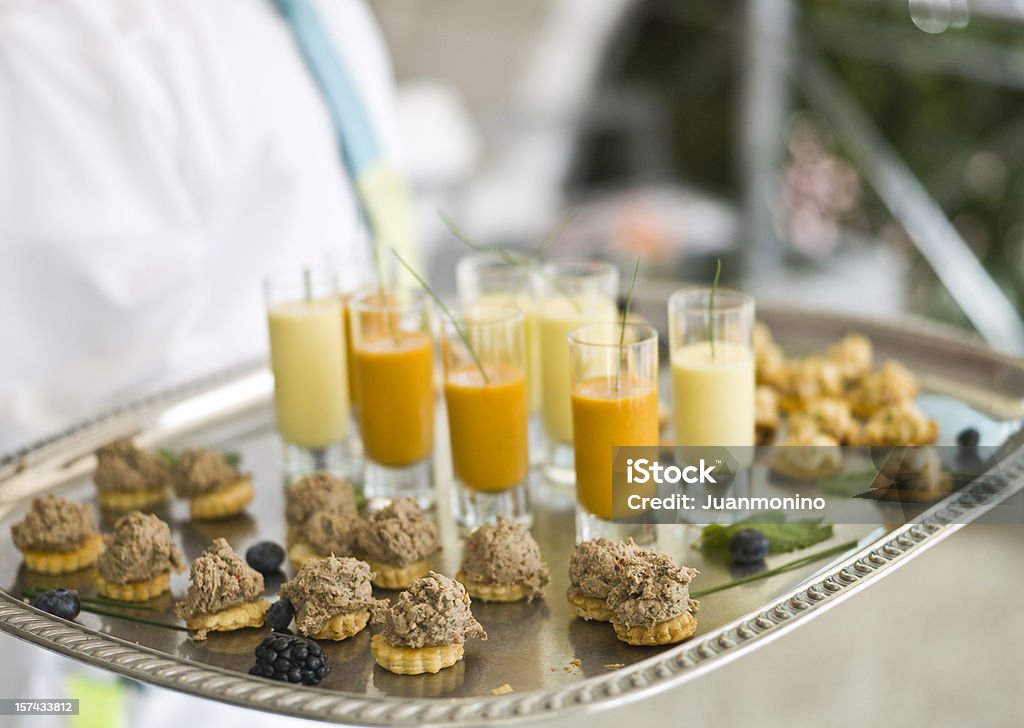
column 672, row 667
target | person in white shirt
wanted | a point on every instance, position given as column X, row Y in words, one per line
column 157, row 158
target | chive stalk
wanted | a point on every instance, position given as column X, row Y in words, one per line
column 625, row 318
column 711, row 306
column 458, row 327
column 788, row 566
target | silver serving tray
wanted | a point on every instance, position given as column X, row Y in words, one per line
column 531, row 647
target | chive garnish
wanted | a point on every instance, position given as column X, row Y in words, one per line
column 307, row 284
column 711, row 306
column 789, row 566
column 458, row 327
column 530, row 263
column 625, row 318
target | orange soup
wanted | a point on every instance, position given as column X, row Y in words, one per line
column 396, row 397
column 488, row 423
column 604, row 417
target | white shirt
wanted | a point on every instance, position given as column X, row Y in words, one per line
column 157, row 158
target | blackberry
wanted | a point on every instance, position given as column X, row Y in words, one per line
column 266, row 557
column 748, row 546
column 291, row 659
column 280, row 615
column 63, row 603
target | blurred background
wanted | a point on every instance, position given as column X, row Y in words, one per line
column 823, row 148
column 862, row 155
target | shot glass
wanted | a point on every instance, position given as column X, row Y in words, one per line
column 394, row 366
column 712, row 351
column 307, row 355
column 569, row 294
column 614, row 378
column 485, row 389
column 485, row 278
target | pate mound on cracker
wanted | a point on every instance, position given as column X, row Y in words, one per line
column 332, row 597
column 137, row 559
column 57, row 536
column 501, row 563
column 224, row 593
column 425, row 628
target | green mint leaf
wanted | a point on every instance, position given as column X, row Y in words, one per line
column 232, row 458
column 782, row 537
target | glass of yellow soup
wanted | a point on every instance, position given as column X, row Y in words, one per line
column 307, row 356
column 487, row 398
column 712, row 353
column 393, row 355
column 613, row 374
column 569, row 294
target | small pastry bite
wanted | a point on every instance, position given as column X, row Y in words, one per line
column 332, row 597
column 320, row 491
column 912, row 475
column 650, row 604
column 891, row 384
column 57, row 536
column 398, row 541
column 594, row 568
column 808, row 378
column 214, row 487
column 806, row 453
column 137, row 559
column 853, row 354
column 130, row 478
column 901, row 423
column 224, row 593
column 501, row 563
column 326, row 533
column 425, row 628
column 769, row 361
column 830, row 415
column 766, row 414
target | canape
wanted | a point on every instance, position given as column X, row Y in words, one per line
column 57, row 536
column 332, row 597
column 320, row 491
column 130, row 478
column 214, row 487
column 891, row 384
column 397, row 542
column 425, row 628
column 501, row 563
column 594, row 568
column 650, row 604
column 137, row 559
column 901, row 423
column 224, row 593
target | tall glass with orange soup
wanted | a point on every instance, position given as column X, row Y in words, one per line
column 487, row 397
column 394, row 367
column 614, row 383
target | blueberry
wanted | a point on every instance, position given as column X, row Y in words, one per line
column 280, row 615
column 266, row 557
column 63, row 603
column 968, row 438
column 748, row 546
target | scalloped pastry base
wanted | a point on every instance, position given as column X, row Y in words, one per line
column 64, row 562
column 224, row 502
column 133, row 500
column 134, row 591
column 590, row 608
column 413, row 660
column 249, row 614
column 342, row 626
column 668, row 632
column 387, row 576
column 493, row 592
